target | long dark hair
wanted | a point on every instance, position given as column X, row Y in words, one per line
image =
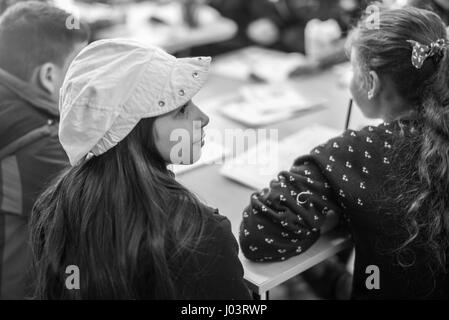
column 420, row 178
column 122, row 219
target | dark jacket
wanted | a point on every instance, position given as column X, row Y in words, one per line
column 352, row 175
column 30, row 156
column 214, row 271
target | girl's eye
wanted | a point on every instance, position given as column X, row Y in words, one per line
column 183, row 109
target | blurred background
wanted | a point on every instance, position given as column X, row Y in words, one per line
column 218, row 26
column 277, row 64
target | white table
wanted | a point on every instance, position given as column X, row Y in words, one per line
column 262, row 277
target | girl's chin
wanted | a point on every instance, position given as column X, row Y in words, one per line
column 196, row 152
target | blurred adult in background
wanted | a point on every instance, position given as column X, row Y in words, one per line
column 5, row 4
column 280, row 24
column 440, row 7
column 36, row 49
column 283, row 24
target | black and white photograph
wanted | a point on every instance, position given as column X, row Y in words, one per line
column 218, row 157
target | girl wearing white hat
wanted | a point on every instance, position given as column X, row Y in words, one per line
column 117, row 215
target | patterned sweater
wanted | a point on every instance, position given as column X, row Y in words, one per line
column 347, row 175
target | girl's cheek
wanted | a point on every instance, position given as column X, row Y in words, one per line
column 356, row 87
column 162, row 136
column 353, row 88
column 163, row 147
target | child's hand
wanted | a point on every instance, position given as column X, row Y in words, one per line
column 263, row 31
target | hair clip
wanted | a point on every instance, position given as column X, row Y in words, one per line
column 421, row 52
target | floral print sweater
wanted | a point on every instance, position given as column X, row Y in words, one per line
column 347, row 175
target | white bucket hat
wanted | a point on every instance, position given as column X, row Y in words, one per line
column 112, row 84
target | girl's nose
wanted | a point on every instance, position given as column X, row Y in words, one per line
column 204, row 118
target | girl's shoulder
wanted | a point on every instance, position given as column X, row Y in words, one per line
column 370, row 139
column 369, row 149
column 211, row 220
column 371, row 134
column 217, row 233
column 383, row 133
column 214, row 270
column 214, row 221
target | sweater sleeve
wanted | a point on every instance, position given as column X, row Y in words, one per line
column 285, row 219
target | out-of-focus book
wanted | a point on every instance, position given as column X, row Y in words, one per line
column 260, row 164
column 263, row 104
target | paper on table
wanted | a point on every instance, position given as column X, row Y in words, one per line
column 273, row 98
column 262, row 104
column 259, row 175
column 268, row 65
column 212, row 152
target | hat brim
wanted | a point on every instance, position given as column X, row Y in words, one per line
column 187, row 77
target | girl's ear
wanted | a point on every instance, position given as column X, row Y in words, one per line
column 374, row 84
column 47, row 77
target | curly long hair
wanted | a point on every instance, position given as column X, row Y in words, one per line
column 122, row 219
column 420, row 178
